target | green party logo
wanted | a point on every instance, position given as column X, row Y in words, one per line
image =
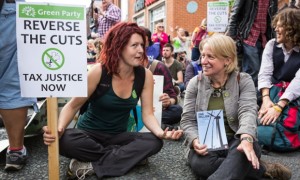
column 51, row 12
column 134, row 94
column 28, row 11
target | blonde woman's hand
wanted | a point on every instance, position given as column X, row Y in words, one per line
column 247, row 148
column 200, row 149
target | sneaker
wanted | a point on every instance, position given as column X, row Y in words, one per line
column 15, row 160
column 276, row 171
column 78, row 169
column 177, row 90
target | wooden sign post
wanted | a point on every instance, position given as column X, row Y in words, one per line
column 53, row 151
column 56, row 67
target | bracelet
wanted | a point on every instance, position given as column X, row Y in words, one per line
column 276, row 104
column 265, row 95
column 278, row 109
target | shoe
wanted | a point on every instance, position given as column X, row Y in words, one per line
column 78, row 169
column 276, row 171
column 143, row 162
column 177, row 90
column 15, row 160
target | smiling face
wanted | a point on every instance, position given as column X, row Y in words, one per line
column 132, row 53
column 280, row 33
column 211, row 64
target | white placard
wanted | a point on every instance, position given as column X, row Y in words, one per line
column 217, row 16
column 158, row 91
column 51, row 41
column 211, row 130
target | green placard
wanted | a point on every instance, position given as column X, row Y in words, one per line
column 51, row 12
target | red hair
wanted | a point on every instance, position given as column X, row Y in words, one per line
column 115, row 41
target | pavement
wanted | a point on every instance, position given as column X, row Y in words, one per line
column 168, row 164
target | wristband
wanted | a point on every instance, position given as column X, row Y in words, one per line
column 265, row 95
column 277, row 108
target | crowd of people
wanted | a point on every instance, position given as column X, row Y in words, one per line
column 202, row 70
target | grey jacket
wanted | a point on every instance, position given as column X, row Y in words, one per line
column 239, row 101
column 242, row 18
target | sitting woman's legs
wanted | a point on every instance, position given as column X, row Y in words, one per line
column 111, row 155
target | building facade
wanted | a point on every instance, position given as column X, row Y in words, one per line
column 183, row 13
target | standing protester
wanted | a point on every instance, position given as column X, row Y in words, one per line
column 160, row 36
column 108, row 15
column 13, row 107
column 198, row 35
column 100, row 143
column 250, row 22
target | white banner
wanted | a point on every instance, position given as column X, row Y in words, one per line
column 51, row 40
column 217, row 16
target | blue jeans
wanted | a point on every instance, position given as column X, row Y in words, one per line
column 10, row 92
column 195, row 54
column 172, row 114
column 252, row 60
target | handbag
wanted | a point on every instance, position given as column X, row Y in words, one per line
column 284, row 134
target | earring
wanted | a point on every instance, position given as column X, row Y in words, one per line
column 225, row 65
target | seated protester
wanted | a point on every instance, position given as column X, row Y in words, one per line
column 100, row 144
column 152, row 49
column 279, row 80
column 191, row 70
column 91, row 51
column 174, row 66
column 182, row 58
column 171, row 112
column 221, row 87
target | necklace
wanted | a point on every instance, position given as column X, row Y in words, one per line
column 217, row 92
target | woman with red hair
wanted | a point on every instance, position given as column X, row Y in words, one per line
column 100, row 143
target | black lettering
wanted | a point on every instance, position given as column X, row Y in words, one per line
column 44, row 24
column 76, row 26
column 69, row 26
column 79, row 41
column 51, row 39
column 27, row 23
column 60, row 26
column 25, row 76
column 25, row 35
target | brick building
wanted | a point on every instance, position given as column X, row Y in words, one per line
column 183, row 13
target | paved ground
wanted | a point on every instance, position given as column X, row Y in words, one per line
column 168, row 164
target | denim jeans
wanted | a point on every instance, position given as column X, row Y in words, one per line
column 195, row 54
column 225, row 164
column 10, row 92
column 172, row 114
column 252, row 59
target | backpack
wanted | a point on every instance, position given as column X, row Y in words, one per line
column 284, row 134
column 105, row 84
